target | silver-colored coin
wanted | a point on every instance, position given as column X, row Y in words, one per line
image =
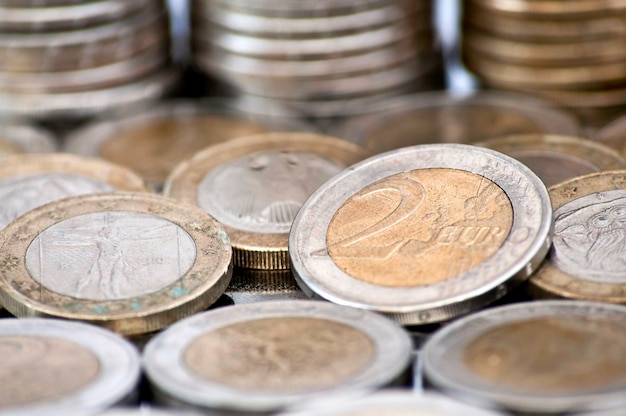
column 107, row 76
column 83, row 48
column 88, row 103
column 253, row 286
column 53, row 367
column 27, row 137
column 263, row 26
column 391, row 403
column 422, row 234
column 258, row 358
column 540, row 357
column 301, row 9
column 69, row 16
column 440, row 117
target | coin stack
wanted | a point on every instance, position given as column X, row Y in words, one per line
column 316, row 55
column 571, row 53
column 76, row 58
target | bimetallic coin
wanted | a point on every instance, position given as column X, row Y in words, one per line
column 422, row 234
column 392, row 403
column 540, row 357
column 435, row 117
column 52, row 367
column 255, row 186
column 557, row 158
column 258, row 358
column 131, row 262
column 586, row 259
column 252, row 286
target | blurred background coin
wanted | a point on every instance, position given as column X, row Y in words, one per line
column 252, row 286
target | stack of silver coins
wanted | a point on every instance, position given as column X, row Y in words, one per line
column 316, row 55
column 569, row 52
column 77, row 57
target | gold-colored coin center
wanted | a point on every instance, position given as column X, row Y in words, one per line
column 550, row 355
column 38, row 369
column 419, row 227
column 281, row 355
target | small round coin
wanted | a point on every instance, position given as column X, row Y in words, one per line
column 260, row 357
column 255, row 186
column 557, row 158
column 423, row 233
column 52, row 367
column 586, row 260
column 540, row 357
column 132, row 262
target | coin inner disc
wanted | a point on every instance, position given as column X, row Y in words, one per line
column 36, row 369
column 262, row 192
column 419, row 227
column 280, row 355
column 550, row 355
column 110, row 255
column 590, row 237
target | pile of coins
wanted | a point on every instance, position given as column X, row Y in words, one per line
column 77, row 58
column 317, row 55
column 568, row 52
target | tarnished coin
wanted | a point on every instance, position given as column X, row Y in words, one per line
column 52, row 367
column 259, row 358
column 132, row 262
column 540, row 357
column 166, row 134
column 252, row 286
column 26, row 137
column 586, row 260
column 255, row 186
column 558, row 158
column 392, row 403
column 439, row 117
column 422, row 234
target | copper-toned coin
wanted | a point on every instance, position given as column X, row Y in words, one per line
column 132, row 262
column 558, row 158
column 53, row 367
column 423, row 233
column 252, row 286
column 258, row 358
column 436, row 117
column 540, row 357
column 586, row 259
column 167, row 134
column 255, row 186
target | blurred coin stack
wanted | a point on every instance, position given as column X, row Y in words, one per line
column 317, row 56
column 77, row 57
column 570, row 52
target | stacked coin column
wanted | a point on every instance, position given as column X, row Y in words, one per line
column 316, row 55
column 78, row 57
column 569, row 52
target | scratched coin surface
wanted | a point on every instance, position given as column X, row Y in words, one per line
column 557, row 158
column 255, row 186
column 260, row 357
column 423, row 233
column 97, row 368
column 540, row 357
column 132, row 262
column 586, row 259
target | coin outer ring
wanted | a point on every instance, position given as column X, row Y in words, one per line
column 163, row 354
column 520, row 254
column 118, row 359
column 256, row 250
column 550, row 281
column 461, row 331
column 21, row 295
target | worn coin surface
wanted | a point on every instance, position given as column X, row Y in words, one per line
column 541, row 357
column 132, row 262
column 255, row 186
column 261, row 357
column 436, row 117
column 557, row 158
column 52, row 367
column 586, row 259
column 422, row 234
